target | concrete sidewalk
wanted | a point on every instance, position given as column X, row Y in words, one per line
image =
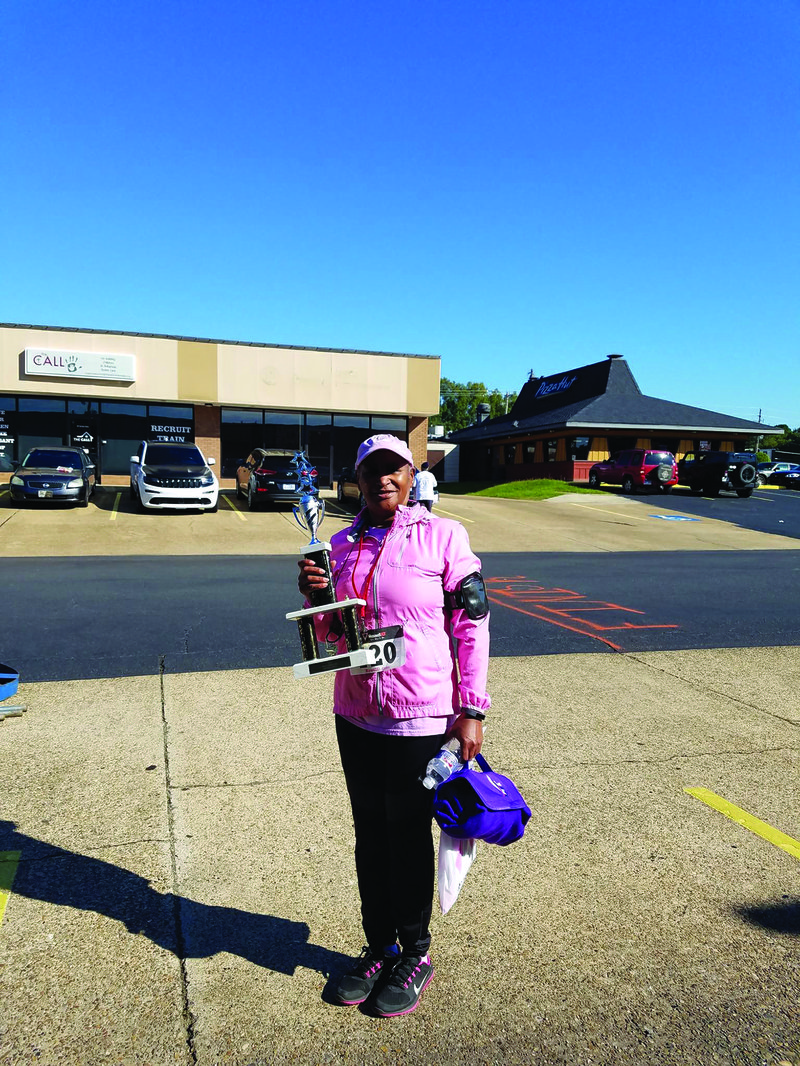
column 186, row 882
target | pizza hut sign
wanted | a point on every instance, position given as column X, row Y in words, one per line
column 45, row 362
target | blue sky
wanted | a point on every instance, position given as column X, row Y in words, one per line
column 513, row 186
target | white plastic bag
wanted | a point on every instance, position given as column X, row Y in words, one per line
column 455, row 859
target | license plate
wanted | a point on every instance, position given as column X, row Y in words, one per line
column 287, row 488
column 45, row 494
column 386, row 646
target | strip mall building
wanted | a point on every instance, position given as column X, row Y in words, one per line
column 562, row 424
column 107, row 391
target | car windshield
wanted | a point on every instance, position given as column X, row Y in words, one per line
column 659, row 457
column 766, row 466
column 743, row 457
column 169, row 455
column 52, row 459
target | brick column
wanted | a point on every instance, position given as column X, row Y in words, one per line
column 207, row 422
column 418, row 440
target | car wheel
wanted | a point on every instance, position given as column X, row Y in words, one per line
column 132, row 491
column 83, row 499
column 252, row 503
column 627, row 485
column 594, row 480
column 744, row 493
column 239, row 493
column 214, row 507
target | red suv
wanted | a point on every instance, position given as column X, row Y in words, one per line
column 637, row 468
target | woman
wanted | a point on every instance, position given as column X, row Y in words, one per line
column 409, row 566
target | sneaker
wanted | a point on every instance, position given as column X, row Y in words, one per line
column 356, row 985
column 400, row 994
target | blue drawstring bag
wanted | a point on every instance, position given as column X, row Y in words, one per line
column 486, row 806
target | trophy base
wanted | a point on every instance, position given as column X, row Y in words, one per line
column 332, row 663
column 326, row 608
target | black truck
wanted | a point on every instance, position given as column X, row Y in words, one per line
column 710, row 472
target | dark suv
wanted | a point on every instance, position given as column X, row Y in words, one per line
column 267, row 475
column 708, row 473
column 637, row 468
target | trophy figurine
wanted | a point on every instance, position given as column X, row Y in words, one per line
column 309, row 513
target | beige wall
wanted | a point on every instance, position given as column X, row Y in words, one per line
column 234, row 375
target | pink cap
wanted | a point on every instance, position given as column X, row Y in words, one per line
column 384, row 442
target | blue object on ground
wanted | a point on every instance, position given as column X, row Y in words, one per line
column 9, row 682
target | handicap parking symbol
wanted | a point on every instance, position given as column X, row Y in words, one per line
column 675, row 517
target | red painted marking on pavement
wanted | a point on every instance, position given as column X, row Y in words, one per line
column 563, row 625
column 512, row 591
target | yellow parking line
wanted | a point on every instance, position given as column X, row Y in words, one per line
column 618, row 513
column 450, row 514
column 115, row 508
column 4, row 491
column 8, row 867
column 749, row 821
column 234, row 508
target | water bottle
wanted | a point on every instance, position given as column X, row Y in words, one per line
column 442, row 765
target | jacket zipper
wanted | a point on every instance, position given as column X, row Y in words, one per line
column 378, row 694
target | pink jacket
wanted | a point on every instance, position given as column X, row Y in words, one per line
column 447, row 654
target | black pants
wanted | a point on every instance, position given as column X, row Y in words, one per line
column 427, row 503
column 394, row 842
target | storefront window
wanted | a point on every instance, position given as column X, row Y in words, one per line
column 162, row 410
column 41, row 421
column 123, row 427
column 319, row 444
column 83, row 407
column 8, row 432
column 283, row 429
column 387, row 424
column 578, row 448
column 550, row 448
column 233, row 415
column 510, row 452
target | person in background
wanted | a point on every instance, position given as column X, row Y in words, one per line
column 417, row 571
column 424, row 487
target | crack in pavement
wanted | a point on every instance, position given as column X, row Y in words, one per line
column 257, row 781
column 713, row 691
column 666, row 759
column 180, row 941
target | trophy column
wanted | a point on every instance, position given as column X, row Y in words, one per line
column 309, row 515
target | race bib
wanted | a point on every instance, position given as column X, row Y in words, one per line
column 387, row 648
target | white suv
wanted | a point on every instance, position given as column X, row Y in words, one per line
column 173, row 475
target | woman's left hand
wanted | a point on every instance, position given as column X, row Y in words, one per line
column 470, row 735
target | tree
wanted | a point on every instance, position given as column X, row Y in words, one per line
column 789, row 439
column 458, row 403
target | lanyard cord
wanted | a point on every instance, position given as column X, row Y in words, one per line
column 363, row 595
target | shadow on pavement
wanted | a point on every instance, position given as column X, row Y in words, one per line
column 778, row 917
column 188, row 929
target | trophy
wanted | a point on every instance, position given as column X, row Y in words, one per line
column 309, row 513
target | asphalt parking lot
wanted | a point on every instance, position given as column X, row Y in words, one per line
column 178, row 879
column 768, row 510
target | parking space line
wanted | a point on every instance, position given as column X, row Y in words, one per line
column 748, row 821
column 234, row 508
column 4, row 491
column 619, row 514
column 115, row 508
column 450, row 514
column 9, row 860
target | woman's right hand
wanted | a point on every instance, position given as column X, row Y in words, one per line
column 311, row 577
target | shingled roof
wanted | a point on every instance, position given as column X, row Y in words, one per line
column 601, row 396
